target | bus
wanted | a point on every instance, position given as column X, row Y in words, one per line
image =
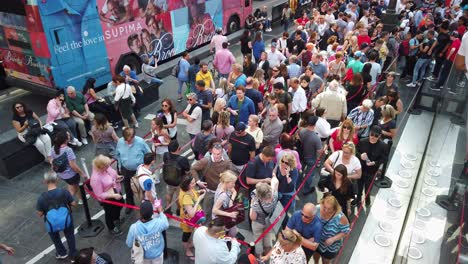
column 47, row 45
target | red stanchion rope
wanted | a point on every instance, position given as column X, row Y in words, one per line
column 285, row 209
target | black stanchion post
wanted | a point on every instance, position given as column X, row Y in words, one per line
column 92, row 227
column 252, row 247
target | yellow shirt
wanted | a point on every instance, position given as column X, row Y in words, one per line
column 206, row 77
column 187, row 198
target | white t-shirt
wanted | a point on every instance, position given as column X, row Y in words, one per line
column 146, row 181
column 172, row 130
column 354, row 163
column 195, row 126
column 375, row 72
column 463, row 51
column 275, row 58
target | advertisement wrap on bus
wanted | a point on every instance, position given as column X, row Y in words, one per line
column 57, row 43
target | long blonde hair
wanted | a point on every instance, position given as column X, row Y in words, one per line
column 223, row 84
column 224, row 119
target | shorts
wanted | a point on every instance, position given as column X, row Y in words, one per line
column 170, row 190
column 75, row 180
column 327, row 254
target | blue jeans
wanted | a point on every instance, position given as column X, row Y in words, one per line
column 179, row 89
column 69, row 125
column 308, row 168
column 267, row 24
column 286, row 25
column 70, row 236
column 222, row 75
column 156, row 81
column 420, row 68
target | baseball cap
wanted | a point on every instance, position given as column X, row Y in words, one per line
column 364, row 45
column 146, row 210
column 357, row 54
column 274, row 44
column 241, row 126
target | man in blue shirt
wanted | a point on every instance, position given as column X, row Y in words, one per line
column 240, row 106
column 130, row 152
column 309, row 226
column 318, row 67
column 183, row 75
column 148, row 231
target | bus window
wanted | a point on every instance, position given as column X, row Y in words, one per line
column 247, row 3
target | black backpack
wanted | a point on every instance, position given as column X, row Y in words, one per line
column 60, row 163
column 172, row 172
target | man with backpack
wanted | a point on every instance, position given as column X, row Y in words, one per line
column 199, row 145
column 175, row 167
column 206, row 173
column 130, row 151
column 55, row 206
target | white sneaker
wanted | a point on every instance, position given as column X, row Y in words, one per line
column 137, row 125
column 80, row 202
column 84, row 141
column 411, row 85
column 76, row 142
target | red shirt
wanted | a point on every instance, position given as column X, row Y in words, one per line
column 456, row 45
column 461, row 30
column 362, row 39
column 337, row 144
column 302, row 21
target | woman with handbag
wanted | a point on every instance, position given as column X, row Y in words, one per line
column 335, row 226
column 104, row 136
column 99, row 105
column 338, row 185
column 29, row 128
column 190, row 209
column 287, row 249
column 264, row 200
column 224, row 198
column 124, row 100
column 106, row 185
column 347, row 157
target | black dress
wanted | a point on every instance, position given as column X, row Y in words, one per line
column 342, row 198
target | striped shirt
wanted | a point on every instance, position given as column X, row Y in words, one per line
column 361, row 118
column 331, row 228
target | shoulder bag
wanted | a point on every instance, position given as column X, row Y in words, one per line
column 324, row 173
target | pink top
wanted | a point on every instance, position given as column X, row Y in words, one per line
column 54, row 111
column 89, row 98
column 223, row 61
column 280, row 152
column 103, row 181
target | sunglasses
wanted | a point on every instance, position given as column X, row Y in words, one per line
column 284, row 162
column 165, row 105
column 18, row 107
column 374, row 135
column 275, row 70
column 306, row 216
column 190, row 100
column 346, row 127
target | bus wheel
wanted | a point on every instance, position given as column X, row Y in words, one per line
column 233, row 25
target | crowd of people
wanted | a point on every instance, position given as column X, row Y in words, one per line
column 320, row 101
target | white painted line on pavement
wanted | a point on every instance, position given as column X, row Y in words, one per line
column 94, row 217
column 52, row 247
column 150, row 117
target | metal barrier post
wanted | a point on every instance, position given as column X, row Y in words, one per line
column 92, row 227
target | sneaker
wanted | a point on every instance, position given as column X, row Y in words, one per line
column 179, row 99
column 431, row 78
column 115, row 125
column 434, row 88
column 137, row 125
column 84, row 141
column 116, row 231
column 80, row 202
column 76, row 142
column 88, row 196
column 461, row 84
column 57, row 256
column 411, row 84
